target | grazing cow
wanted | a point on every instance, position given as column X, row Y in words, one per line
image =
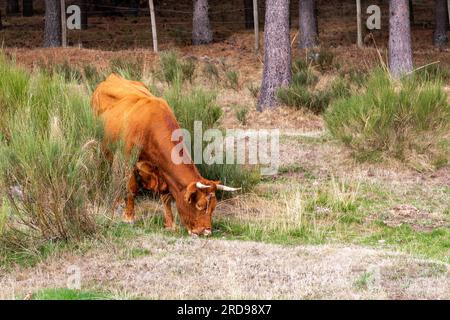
column 130, row 112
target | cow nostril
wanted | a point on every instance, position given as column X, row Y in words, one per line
column 207, row 232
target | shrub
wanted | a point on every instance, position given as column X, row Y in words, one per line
column 188, row 69
column 302, row 73
column 241, row 114
column 393, row 119
column 130, row 68
column 91, row 76
column 211, row 71
column 51, row 159
column 69, row 72
column 49, row 68
column 300, row 96
column 300, row 65
column 254, row 90
column 340, row 88
column 232, row 79
column 196, row 105
column 200, row 105
column 304, row 78
column 232, row 175
column 14, row 85
column 296, row 96
column 433, row 72
column 357, row 77
column 173, row 70
column 303, row 94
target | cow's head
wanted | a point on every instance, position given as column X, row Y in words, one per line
column 197, row 205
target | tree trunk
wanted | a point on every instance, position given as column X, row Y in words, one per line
column 440, row 32
column 248, row 12
column 308, row 24
column 411, row 12
column 12, row 7
column 277, row 53
column 400, row 52
column 84, row 7
column 1, row 25
column 201, row 29
column 52, row 33
column 27, row 8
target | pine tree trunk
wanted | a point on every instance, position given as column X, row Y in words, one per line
column 248, row 12
column 1, row 24
column 27, row 8
column 411, row 12
column 308, row 24
column 201, row 28
column 52, row 33
column 12, row 7
column 84, row 7
column 277, row 53
column 440, row 32
column 400, row 52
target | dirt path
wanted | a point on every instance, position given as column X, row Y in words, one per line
column 199, row 268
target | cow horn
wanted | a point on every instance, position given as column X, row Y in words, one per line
column 202, row 186
column 225, row 188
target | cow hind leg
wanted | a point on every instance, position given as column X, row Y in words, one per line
column 132, row 190
column 168, row 215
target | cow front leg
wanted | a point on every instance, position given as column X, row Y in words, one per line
column 168, row 215
column 132, row 190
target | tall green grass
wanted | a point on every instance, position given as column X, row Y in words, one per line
column 303, row 93
column 130, row 68
column 409, row 120
column 51, row 152
column 200, row 105
column 174, row 70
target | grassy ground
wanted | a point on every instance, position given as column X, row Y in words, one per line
column 335, row 229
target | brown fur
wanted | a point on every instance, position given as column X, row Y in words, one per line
column 129, row 111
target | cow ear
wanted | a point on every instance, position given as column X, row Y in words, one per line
column 190, row 192
column 144, row 167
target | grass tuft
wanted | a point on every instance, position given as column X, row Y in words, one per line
column 303, row 93
column 173, row 70
column 129, row 68
column 241, row 113
column 408, row 120
column 53, row 174
column 232, row 79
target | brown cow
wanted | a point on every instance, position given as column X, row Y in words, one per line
column 145, row 122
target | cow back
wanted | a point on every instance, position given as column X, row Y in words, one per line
column 114, row 89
